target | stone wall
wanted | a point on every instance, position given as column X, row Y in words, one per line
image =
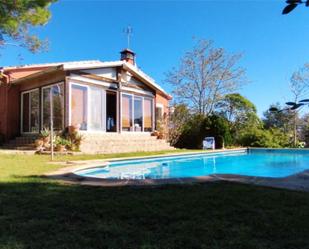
column 95, row 143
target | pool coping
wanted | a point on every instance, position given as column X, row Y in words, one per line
column 88, row 164
column 298, row 181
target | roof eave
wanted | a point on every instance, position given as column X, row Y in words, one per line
column 101, row 65
column 34, row 75
column 150, row 81
column 123, row 64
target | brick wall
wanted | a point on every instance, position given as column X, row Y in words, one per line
column 9, row 111
column 163, row 101
column 10, row 101
column 3, row 109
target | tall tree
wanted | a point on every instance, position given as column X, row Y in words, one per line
column 299, row 85
column 204, row 76
column 282, row 119
column 235, row 107
column 304, row 129
column 240, row 112
column 18, row 17
column 300, row 81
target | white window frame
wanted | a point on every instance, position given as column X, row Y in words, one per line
column 153, row 112
column 143, row 98
column 103, row 118
column 132, row 117
column 88, row 107
column 22, row 109
column 42, row 102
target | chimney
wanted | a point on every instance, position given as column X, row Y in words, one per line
column 128, row 56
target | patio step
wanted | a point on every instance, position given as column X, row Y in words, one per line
column 122, row 142
column 21, row 143
column 102, row 143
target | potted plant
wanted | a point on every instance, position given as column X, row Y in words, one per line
column 39, row 144
column 45, row 136
column 159, row 133
column 74, row 128
column 61, row 144
column 43, row 140
column 75, row 141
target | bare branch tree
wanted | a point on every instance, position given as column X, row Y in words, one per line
column 299, row 86
column 204, row 76
column 177, row 120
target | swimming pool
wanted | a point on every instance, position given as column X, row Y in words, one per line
column 251, row 162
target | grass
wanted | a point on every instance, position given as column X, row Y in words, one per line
column 17, row 167
column 38, row 213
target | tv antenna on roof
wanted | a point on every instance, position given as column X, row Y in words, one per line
column 128, row 31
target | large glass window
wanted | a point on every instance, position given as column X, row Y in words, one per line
column 25, row 112
column 79, row 106
column 127, row 111
column 57, row 94
column 148, row 114
column 30, row 111
column 88, row 107
column 138, row 113
column 97, row 109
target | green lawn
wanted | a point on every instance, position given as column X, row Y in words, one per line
column 38, row 213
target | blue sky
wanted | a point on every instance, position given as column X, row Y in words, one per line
column 273, row 45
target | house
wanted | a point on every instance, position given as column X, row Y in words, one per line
column 114, row 104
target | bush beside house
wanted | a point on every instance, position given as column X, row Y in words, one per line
column 65, row 140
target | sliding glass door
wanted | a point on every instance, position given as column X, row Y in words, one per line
column 127, row 111
column 97, row 110
column 79, row 107
column 30, row 111
column 88, row 107
column 53, row 93
column 111, row 111
column 148, row 114
column 136, row 113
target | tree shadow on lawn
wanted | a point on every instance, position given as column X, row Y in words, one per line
column 37, row 214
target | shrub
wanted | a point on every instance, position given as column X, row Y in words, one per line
column 62, row 141
column 44, row 133
column 191, row 136
column 177, row 122
column 217, row 127
column 272, row 138
column 199, row 127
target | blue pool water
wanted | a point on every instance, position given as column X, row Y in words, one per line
column 266, row 163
